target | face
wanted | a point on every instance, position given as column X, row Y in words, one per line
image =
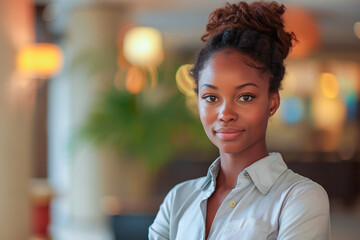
column 234, row 103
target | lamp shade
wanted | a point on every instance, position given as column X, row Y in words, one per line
column 143, row 47
column 42, row 59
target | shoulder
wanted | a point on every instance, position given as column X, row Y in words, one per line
column 303, row 192
column 304, row 210
column 298, row 184
column 176, row 201
column 187, row 188
column 182, row 196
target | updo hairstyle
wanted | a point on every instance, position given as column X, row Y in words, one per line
column 256, row 30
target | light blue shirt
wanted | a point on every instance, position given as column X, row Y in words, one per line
column 269, row 201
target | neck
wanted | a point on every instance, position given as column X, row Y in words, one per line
column 232, row 165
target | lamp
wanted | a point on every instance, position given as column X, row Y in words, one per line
column 143, row 47
column 141, row 52
column 40, row 59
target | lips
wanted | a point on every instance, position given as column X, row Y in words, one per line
column 228, row 133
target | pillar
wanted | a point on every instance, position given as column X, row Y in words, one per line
column 16, row 105
column 90, row 49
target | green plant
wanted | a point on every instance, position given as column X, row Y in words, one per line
column 152, row 126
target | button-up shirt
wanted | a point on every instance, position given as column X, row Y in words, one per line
column 269, row 201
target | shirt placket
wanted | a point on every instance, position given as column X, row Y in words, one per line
column 229, row 204
column 203, row 207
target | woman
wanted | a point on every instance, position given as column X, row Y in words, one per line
column 247, row 193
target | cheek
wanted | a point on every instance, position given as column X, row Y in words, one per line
column 207, row 115
column 257, row 118
column 204, row 116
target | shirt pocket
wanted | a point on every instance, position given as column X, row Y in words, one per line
column 246, row 229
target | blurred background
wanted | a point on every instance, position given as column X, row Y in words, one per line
column 98, row 120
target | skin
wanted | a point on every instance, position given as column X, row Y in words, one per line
column 234, row 105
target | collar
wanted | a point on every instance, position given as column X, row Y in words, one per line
column 264, row 172
column 212, row 173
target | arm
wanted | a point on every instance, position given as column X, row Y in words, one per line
column 306, row 215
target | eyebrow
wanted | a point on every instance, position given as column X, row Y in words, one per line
column 237, row 87
column 208, row 86
column 247, row 84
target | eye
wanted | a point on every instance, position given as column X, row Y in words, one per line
column 246, row 98
column 210, row 98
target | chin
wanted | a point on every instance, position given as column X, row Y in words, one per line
column 229, row 148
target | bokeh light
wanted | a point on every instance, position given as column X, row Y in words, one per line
column 135, row 80
column 304, row 25
column 329, row 85
column 351, row 106
column 328, row 113
column 186, row 85
column 184, row 82
column 43, row 59
column 143, row 46
column 292, row 110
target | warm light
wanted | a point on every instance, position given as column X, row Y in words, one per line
column 329, row 85
column 328, row 113
column 135, row 80
column 357, row 29
column 186, row 85
column 304, row 25
column 42, row 59
column 184, row 82
column 143, row 46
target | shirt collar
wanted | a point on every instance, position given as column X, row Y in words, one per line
column 212, row 173
column 264, row 172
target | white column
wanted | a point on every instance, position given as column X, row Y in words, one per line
column 16, row 95
column 90, row 50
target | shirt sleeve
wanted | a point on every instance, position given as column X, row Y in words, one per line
column 306, row 214
column 160, row 229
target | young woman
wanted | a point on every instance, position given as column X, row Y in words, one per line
column 247, row 193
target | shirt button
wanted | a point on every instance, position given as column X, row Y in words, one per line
column 246, row 175
column 232, row 204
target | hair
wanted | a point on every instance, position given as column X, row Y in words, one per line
column 256, row 30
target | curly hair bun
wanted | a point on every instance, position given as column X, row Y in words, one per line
column 263, row 17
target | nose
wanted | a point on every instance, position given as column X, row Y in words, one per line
column 227, row 113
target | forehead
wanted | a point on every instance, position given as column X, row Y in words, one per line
column 232, row 66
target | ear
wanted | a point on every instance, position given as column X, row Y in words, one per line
column 274, row 98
